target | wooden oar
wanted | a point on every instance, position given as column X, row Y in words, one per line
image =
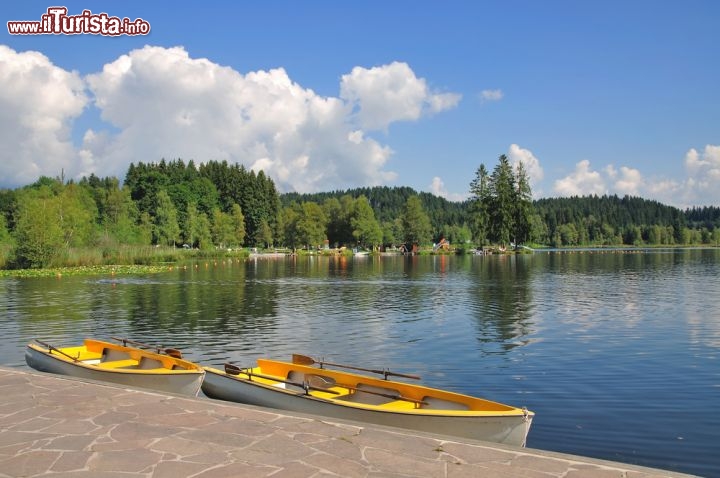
column 326, row 382
column 55, row 349
column 305, row 360
column 174, row 353
column 232, row 369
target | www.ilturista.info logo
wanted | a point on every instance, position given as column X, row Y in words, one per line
column 57, row 22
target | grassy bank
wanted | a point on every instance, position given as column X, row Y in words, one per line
column 120, row 260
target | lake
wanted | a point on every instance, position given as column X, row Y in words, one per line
column 615, row 351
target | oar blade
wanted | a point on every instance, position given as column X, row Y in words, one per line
column 320, row 382
column 232, row 369
column 302, row 360
column 174, row 353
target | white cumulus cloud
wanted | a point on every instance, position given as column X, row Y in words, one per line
column 581, row 182
column 703, row 181
column 158, row 103
column 38, row 104
column 516, row 154
column 384, row 94
column 699, row 187
column 437, row 187
column 706, row 163
column 167, row 104
column 626, row 181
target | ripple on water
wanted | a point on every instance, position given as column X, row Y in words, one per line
column 617, row 354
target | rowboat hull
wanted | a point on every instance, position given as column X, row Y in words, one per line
column 174, row 376
column 508, row 427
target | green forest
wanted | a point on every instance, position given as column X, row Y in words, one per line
column 218, row 207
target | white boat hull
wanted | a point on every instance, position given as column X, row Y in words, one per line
column 172, row 381
column 510, row 429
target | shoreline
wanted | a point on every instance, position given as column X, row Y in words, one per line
column 123, row 269
column 124, row 430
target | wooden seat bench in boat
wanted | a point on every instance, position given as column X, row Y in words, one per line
column 128, row 363
column 361, row 393
column 112, row 355
column 367, row 394
column 148, row 363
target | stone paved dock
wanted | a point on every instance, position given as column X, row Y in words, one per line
column 63, row 427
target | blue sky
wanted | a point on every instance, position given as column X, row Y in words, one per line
column 594, row 97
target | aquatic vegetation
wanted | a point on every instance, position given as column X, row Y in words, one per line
column 60, row 272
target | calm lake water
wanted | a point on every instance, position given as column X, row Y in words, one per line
column 616, row 352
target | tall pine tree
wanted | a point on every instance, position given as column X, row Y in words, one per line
column 501, row 204
column 479, row 203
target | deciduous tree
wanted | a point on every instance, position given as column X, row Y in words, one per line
column 222, row 229
column 416, row 223
column 38, row 234
column 167, row 230
column 238, row 223
column 311, row 224
column 365, row 228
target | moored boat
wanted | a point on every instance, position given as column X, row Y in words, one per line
column 118, row 363
column 302, row 388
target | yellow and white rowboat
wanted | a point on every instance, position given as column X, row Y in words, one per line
column 110, row 362
column 332, row 393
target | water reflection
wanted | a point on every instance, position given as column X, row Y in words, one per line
column 583, row 339
column 502, row 303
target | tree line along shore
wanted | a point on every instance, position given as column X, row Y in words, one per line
column 168, row 211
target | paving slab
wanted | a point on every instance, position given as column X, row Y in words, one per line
column 63, row 427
